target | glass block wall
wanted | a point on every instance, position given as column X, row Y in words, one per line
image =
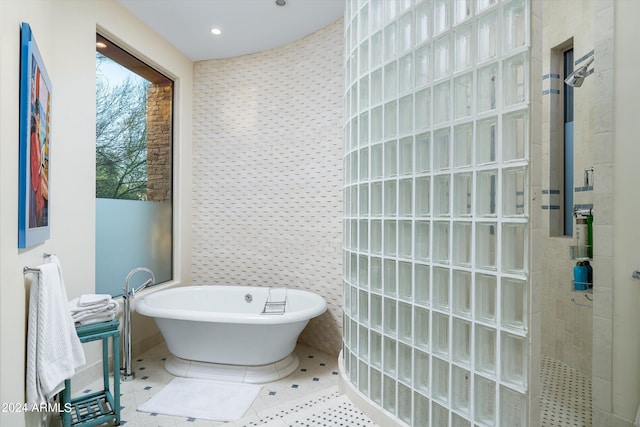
column 436, row 289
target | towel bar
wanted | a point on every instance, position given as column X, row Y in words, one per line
column 27, row 270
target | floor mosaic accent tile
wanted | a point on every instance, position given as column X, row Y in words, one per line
column 566, row 395
column 309, row 396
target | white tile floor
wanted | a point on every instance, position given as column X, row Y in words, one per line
column 566, row 396
column 308, row 397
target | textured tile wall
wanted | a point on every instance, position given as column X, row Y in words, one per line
column 267, row 173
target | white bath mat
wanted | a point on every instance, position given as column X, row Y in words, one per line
column 204, row 399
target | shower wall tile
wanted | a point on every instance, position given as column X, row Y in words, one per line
column 268, row 171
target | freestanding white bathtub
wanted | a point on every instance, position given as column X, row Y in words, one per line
column 219, row 332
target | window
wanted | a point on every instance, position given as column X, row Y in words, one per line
column 134, row 105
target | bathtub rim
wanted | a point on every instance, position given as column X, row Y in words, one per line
column 145, row 307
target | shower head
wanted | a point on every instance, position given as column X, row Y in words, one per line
column 576, row 78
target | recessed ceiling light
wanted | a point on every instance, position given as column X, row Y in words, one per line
column 101, row 45
column 281, row 2
column 216, row 31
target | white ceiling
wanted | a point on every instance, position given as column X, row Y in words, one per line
column 248, row 25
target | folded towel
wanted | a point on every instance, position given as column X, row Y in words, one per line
column 54, row 350
column 98, row 319
column 93, row 299
column 82, row 313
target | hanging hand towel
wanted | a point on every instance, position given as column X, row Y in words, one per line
column 54, row 350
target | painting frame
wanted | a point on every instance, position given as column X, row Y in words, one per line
column 35, row 142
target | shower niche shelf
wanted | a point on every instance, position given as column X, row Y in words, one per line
column 581, row 253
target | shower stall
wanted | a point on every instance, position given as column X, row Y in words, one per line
column 438, row 192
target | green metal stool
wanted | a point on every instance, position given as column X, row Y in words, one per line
column 102, row 406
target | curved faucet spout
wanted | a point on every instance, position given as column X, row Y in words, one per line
column 129, row 293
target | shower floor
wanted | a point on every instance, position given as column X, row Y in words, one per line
column 566, row 395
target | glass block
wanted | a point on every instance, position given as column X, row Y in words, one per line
column 458, row 421
column 353, row 274
column 405, row 115
column 515, row 76
column 423, row 153
column 405, row 197
column 461, row 293
column 462, row 10
column 405, row 409
column 405, row 282
column 463, row 92
column 421, row 332
column 390, row 158
column 390, row 80
column 390, row 238
column 405, row 73
column 376, row 162
column 460, row 390
column 405, row 156
column 405, row 241
column 376, row 87
column 389, row 317
column 441, row 103
column 405, row 317
column 485, row 4
column 463, row 145
column 486, row 134
column 404, row 5
column 423, row 65
column 421, row 284
column 514, row 249
column 422, row 193
column 423, row 22
column 423, row 109
column 440, row 415
column 389, row 354
column 463, row 48
column 486, row 245
column 515, row 24
column 513, row 355
column 354, row 110
column 485, row 354
column 363, row 159
column 487, row 88
column 513, row 408
column 441, row 288
column 376, row 201
column 375, row 274
column 461, row 342
column 363, row 204
column 376, row 386
column 376, row 125
column 363, row 59
column 390, row 10
column 463, row 246
column 441, row 142
column 353, row 158
column 376, row 237
column 462, row 190
column 353, row 373
column 405, row 32
column 421, row 372
column 487, row 37
column 485, row 401
column 363, row 377
column 515, row 136
column 364, row 93
column 375, row 13
column 422, row 234
column 363, row 271
column 354, row 197
column 441, row 242
column 389, row 394
column 375, row 342
column 389, row 278
column 363, row 26
column 441, row 194
column 363, row 303
column 390, row 198
column 363, row 134
column 390, row 42
column 486, row 182
column 440, row 16
column 376, row 50
column 442, row 57
column 440, row 385
column 376, row 311
column 514, row 194
column 514, row 303
column 485, row 298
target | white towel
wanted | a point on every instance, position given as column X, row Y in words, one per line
column 93, row 299
column 54, row 350
column 78, row 314
column 98, row 319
